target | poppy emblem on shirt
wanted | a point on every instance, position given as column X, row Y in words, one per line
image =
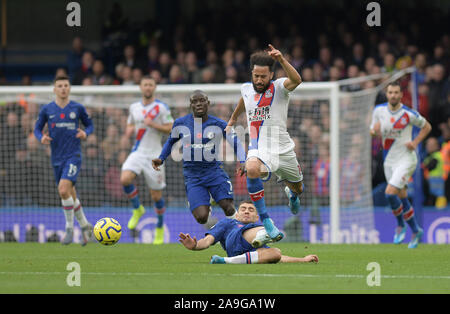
column 199, row 135
column 392, row 120
column 257, row 96
column 62, row 115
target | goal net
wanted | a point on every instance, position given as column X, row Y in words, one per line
column 328, row 122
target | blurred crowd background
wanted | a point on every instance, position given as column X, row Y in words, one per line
column 323, row 42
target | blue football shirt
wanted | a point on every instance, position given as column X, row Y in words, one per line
column 63, row 124
column 200, row 143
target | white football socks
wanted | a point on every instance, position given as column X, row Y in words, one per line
column 68, row 211
column 246, row 258
column 79, row 214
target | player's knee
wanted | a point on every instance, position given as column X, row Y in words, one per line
column 64, row 192
column 274, row 256
column 253, row 172
column 125, row 179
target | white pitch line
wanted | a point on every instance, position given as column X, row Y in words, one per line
column 232, row 275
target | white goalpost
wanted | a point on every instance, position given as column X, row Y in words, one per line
column 328, row 121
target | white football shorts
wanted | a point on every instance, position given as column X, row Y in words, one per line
column 398, row 174
column 140, row 163
column 285, row 166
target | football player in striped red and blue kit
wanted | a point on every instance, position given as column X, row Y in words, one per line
column 394, row 122
column 201, row 136
column 64, row 136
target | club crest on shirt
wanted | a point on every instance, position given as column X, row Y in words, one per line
column 72, row 115
column 268, row 93
column 210, row 135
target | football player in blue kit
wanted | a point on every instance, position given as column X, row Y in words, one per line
column 201, row 136
column 244, row 239
column 64, row 136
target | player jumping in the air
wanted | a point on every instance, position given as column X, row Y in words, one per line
column 149, row 119
column 394, row 122
column 271, row 150
column 243, row 239
column 62, row 117
column 201, row 136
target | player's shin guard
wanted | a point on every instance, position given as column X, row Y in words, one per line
column 397, row 208
column 132, row 193
column 68, row 211
column 160, row 210
column 409, row 217
column 256, row 190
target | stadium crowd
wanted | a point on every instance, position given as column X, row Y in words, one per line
column 193, row 57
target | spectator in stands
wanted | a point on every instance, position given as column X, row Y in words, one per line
column 388, row 63
column 136, row 75
column 99, row 77
column 439, row 88
column 176, row 75
column 420, row 63
column 165, row 62
column 434, row 174
column 127, row 76
column 87, row 61
column 190, row 68
column 129, row 57
column 74, row 56
column 152, row 58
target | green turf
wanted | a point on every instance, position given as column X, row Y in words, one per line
column 170, row 268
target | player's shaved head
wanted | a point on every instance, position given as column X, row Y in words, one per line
column 198, row 93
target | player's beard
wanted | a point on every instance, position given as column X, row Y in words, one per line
column 394, row 102
column 259, row 88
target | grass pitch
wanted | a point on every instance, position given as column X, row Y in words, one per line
column 171, row 269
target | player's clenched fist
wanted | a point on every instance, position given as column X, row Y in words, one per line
column 46, row 139
column 156, row 163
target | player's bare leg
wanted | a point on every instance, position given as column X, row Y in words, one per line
column 227, row 207
column 159, row 210
column 127, row 178
column 255, row 169
column 293, row 191
column 65, row 190
column 201, row 213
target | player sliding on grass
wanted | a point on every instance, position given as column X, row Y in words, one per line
column 64, row 136
column 393, row 121
column 243, row 239
column 201, row 136
column 271, row 150
column 149, row 119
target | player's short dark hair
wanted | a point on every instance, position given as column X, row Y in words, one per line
column 261, row 58
column 246, row 202
column 61, row 78
column 395, row 84
column 147, row 77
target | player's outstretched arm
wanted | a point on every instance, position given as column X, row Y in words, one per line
column 294, row 79
column 193, row 244
column 240, row 108
column 306, row 259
